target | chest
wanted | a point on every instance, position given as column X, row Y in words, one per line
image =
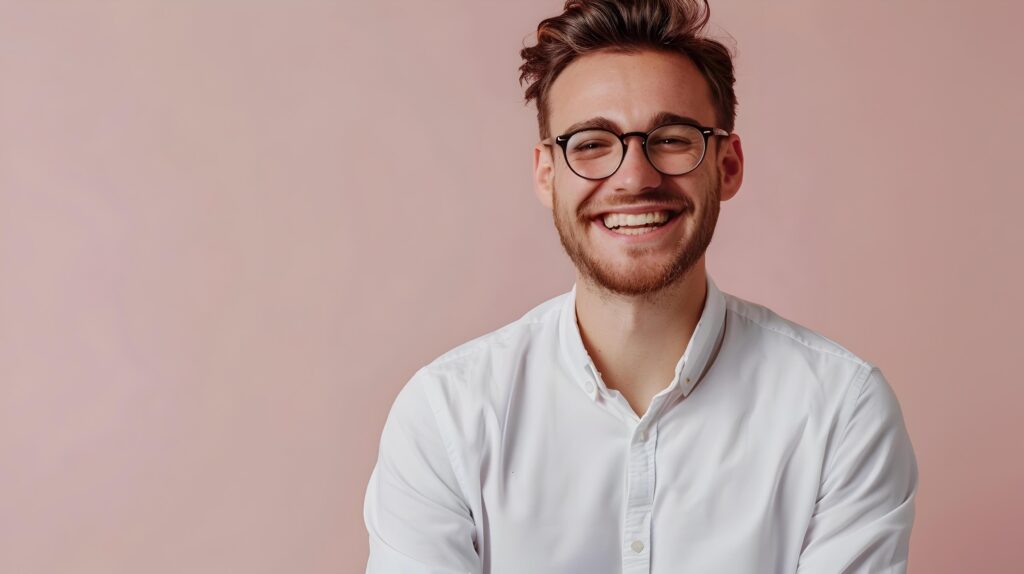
column 585, row 490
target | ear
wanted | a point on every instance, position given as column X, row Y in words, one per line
column 730, row 166
column 543, row 174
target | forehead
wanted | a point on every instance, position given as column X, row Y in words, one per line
column 629, row 89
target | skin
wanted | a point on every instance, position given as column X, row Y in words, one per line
column 636, row 305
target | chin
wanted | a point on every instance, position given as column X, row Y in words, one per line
column 632, row 278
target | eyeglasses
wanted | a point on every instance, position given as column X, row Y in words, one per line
column 673, row 149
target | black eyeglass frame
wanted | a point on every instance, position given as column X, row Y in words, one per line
column 707, row 132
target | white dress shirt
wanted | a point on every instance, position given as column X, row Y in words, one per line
column 773, row 449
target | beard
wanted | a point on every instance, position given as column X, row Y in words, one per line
column 644, row 282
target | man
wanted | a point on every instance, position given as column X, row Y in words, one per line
column 645, row 421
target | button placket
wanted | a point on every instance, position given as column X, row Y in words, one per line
column 640, row 499
column 591, row 382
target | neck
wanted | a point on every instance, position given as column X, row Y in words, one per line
column 636, row 342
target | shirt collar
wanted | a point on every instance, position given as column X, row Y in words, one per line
column 707, row 337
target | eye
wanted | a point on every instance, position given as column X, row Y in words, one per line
column 666, row 141
column 676, row 138
column 590, row 145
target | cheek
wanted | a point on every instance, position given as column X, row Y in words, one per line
column 703, row 193
column 572, row 193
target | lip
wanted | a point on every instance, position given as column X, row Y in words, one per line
column 655, row 235
column 635, row 209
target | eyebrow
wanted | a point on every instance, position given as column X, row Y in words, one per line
column 601, row 122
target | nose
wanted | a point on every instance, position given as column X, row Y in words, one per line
column 636, row 173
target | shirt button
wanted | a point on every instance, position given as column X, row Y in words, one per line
column 637, row 546
column 643, row 436
column 590, row 386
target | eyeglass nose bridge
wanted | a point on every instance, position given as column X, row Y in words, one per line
column 641, row 135
column 625, row 149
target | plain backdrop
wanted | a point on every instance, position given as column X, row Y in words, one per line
column 230, row 231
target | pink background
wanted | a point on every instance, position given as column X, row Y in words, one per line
column 214, row 279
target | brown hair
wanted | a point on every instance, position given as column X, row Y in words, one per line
column 628, row 26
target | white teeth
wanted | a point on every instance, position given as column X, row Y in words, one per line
column 613, row 220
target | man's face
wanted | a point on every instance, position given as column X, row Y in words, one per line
column 630, row 90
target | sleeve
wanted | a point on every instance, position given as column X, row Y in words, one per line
column 416, row 518
column 865, row 508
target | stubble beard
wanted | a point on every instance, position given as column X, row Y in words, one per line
column 644, row 283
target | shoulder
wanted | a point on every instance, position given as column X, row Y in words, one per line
column 504, row 339
column 792, row 356
column 811, row 369
column 762, row 325
column 479, row 374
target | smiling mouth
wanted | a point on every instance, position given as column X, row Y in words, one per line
column 636, row 224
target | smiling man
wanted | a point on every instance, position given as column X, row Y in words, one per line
column 644, row 421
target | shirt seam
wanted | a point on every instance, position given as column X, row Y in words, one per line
column 847, row 355
column 479, row 344
column 857, row 386
column 458, row 469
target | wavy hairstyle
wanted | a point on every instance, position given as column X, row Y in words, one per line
column 587, row 26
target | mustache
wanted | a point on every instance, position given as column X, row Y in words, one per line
column 679, row 202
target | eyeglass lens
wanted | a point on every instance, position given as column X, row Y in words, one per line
column 673, row 150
